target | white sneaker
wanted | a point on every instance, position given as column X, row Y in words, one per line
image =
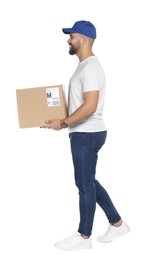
column 114, row 232
column 74, row 242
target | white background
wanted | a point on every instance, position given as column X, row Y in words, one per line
column 38, row 198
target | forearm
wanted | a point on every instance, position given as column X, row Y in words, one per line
column 82, row 113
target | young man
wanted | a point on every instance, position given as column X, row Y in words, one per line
column 87, row 136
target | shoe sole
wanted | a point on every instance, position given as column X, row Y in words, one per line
column 73, row 249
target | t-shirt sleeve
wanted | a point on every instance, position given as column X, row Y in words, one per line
column 92, row 79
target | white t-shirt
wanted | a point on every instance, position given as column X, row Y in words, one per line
column 89, row 76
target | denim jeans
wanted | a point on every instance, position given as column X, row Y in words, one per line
column 84, row 148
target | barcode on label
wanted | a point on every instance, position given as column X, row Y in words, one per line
column 54, row 103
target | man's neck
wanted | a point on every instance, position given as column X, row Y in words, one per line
column 85, row 55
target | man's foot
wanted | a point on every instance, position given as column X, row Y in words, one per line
column 114, row 232
column 74, row 242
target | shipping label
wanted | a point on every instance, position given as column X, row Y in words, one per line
column 53, row 97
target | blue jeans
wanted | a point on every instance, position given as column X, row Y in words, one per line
column 84, row 148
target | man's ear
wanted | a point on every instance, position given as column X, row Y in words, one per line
column 83, row 39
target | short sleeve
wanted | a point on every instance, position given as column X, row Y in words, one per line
column 92, row 79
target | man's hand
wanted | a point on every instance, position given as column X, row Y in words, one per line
column 53, row 124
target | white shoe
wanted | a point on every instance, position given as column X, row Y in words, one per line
column 74, row 242
column 114, row 232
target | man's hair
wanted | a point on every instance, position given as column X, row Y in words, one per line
column 91, row 41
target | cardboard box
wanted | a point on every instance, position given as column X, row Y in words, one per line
column 36, row 105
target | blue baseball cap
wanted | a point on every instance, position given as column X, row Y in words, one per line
column 82, row 27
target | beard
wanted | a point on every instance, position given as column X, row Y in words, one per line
column 74, row 48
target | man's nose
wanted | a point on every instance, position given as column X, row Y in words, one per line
column 69, row 40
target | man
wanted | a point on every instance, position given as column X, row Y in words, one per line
column 87, row 136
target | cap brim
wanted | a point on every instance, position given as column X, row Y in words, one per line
column 68, row 30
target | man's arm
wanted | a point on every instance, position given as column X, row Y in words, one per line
column 83, row 112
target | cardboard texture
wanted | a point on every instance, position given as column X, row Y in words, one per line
column 36, row 105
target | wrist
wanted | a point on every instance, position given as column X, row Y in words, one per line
column 63, row 123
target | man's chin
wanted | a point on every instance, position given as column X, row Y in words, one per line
column 71, row 53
